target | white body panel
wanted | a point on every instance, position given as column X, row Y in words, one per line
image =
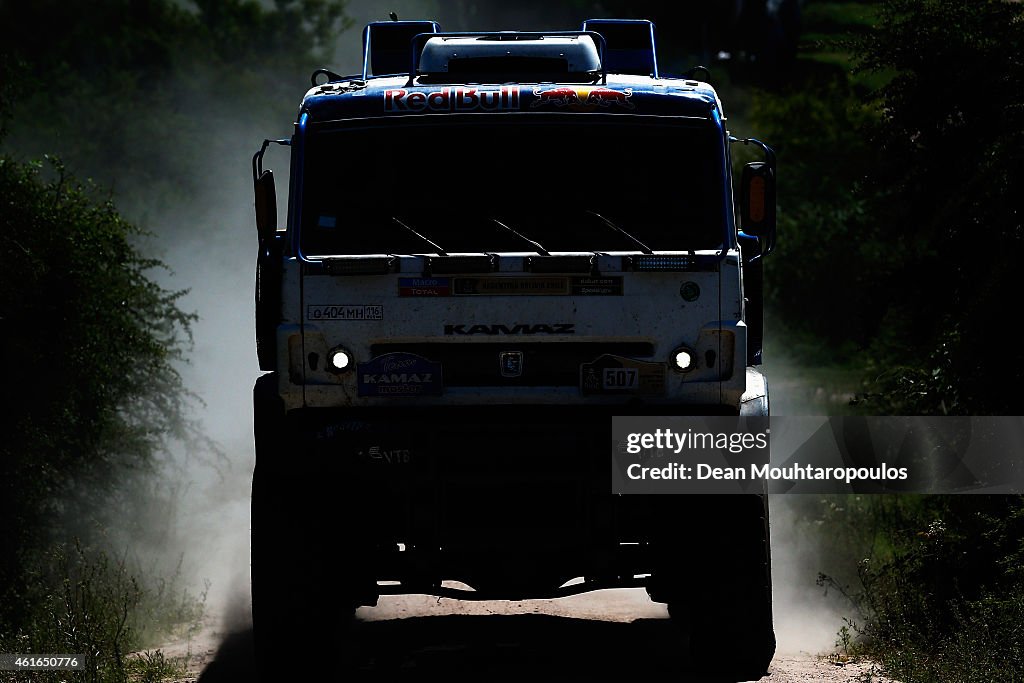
column 356, row 312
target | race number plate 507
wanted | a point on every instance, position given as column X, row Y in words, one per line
column 618, row 375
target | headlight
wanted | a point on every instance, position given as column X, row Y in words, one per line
column 340, row 360
column 683, row 359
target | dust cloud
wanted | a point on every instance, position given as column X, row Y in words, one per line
column 210, row 245
column 807, row 619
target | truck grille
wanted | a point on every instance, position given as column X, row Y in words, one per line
column 544, row 364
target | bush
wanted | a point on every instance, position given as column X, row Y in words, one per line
column 942, row 598
column 86, row 603
column 150, row 91
column 92, row 344
column 897, row 204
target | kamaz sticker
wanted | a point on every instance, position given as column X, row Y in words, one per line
column 399, row 374
column 424, row 286
column 345, row 312
column 617, row 375
column 583, row 97
column 452, row 99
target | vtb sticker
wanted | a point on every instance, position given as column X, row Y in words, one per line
column 617, row 375
column 399, row 374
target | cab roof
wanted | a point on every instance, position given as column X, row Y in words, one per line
column 412, row 69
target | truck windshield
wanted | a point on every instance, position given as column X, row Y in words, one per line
column 367, row 190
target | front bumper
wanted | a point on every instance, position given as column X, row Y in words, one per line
column 511, row 500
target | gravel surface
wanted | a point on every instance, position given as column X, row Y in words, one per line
column 601, row 636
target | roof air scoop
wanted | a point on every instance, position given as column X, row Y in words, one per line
column 630, row 45
column 510, row 57
column 386, row 45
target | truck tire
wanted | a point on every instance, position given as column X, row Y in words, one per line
column 299, row 600
column 718, row 590
column 730, row 632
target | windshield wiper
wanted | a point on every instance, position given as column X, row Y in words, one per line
column 540, row 250
column 440, row 251
column 643, row 247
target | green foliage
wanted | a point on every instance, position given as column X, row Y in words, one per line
column 945, row 600
column 85, row 602
column 111, row 40
column 148, row 92
column 92, row 345
column 141, row 94
column 951, row 160
column 138, row 94
column 154, row 667
column 8, row 79
column 898, row 225
column 823, row 20
column 826, row 235
column 900, row 230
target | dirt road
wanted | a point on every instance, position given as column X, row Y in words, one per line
column 613, row 635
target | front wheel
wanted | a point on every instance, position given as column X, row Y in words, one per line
column 717, row 583
column 299, row 595
column 730, row 635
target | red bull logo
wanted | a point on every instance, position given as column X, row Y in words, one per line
column 452, row 99
column 586, row 97
column 560, row 97
column 504, row 98
column 606, row 97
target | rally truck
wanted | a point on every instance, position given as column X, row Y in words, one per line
column 495, row 243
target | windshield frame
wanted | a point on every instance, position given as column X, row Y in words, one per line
column 595, row 120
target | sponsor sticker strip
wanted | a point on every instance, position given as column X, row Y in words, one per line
column 511, row 286
column 424, row 286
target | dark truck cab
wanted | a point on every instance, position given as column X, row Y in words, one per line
column 496, row 242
